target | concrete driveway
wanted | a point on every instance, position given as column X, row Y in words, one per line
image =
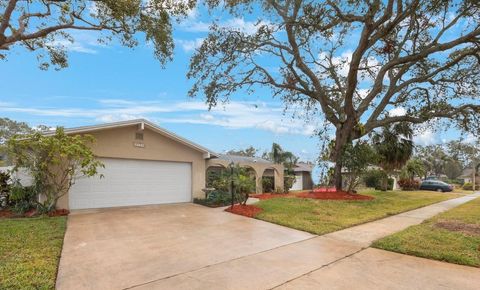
column 128, row 247
column 187, row 246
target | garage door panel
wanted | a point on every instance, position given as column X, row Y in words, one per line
column 133, row 182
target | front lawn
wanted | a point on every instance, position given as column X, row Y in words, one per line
column 30, row 249
column 452, row 236
column 324, row 216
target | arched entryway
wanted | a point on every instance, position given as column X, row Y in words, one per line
column 252, row 174
column 214, row 174
column 268, row 180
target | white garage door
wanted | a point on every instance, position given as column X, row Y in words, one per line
column 298, row 184
column 133, row 182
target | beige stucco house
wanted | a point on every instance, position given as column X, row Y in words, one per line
column 146, row 164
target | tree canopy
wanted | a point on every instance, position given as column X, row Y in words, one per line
column 362, row 64
column 247, row 152
column 10, row 128
column 46, row 26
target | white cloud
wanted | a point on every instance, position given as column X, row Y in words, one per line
column 190, row 45
column 81, row 41
column 233, row 115
column 237, row 23
column 426, row 137
column 398, row 111
column 73, row 46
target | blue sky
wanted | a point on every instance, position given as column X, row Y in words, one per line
column 112, row 83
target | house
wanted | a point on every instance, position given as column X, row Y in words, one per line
column 467, row 176
column 146, row 164
column 303, row 176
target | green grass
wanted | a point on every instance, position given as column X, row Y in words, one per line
column 323, row 216
column 30, row 249
column 429, row 241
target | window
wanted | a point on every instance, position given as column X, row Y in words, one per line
column 138, row 136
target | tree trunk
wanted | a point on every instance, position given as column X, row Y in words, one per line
column 337, row 175
column 342, row 136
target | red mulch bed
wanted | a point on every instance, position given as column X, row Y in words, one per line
column 334, row 195
column 269, row 195
column 58, row 212
column 6, row 213
column 245, row 210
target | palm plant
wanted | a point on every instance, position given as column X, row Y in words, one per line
column 394, row 147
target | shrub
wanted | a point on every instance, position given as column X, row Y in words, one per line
column 4, row 188
column 468, row 186
column 215, row 198
column 374, row 177
column 409, row 184
column 267, row 183
column 22, row 198
column 288, row 182
column 390, row 184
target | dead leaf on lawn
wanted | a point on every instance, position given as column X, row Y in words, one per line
column 454, row 226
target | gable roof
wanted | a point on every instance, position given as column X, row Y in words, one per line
column 141, row 122
column 468, row 172
column 302, row 166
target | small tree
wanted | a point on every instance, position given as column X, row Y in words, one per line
column 356, row 158
column 243, row 183
column 412, row 169
column 453, row 169
column 55, row 162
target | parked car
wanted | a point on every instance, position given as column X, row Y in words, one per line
column 436, row 185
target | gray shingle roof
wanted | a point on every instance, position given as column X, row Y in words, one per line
column 237, row 158
column 301, row 167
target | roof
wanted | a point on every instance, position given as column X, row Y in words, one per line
column 301, row 166
column 141, row 122
column 467, row 173
column 238, row 158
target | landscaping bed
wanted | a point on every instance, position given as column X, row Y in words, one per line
column 8, row 213
column 30, row 250
column 452, row 236
column 263, row 196
column 245, row 210
column 320, row 216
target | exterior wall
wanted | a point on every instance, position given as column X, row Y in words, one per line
column 298, row 183
column 258, row 167
column 119, row 143
column 307, row 180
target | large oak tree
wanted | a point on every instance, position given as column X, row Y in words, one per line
column 46, row 26
column 355, row 61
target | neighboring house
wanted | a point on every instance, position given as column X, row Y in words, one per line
column 467, row 176
column 146, row 164
column 303, row 176
column 21, row 176
column 395, row 175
